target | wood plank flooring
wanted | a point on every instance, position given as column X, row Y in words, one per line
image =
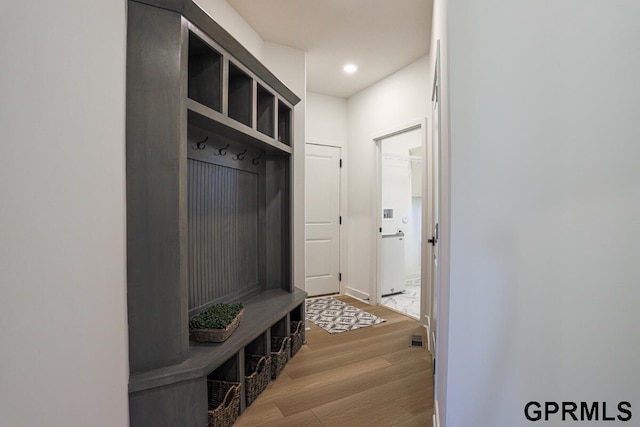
column 367, row 377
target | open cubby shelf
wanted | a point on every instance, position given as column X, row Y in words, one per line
column 205, row 74
column 284, row 123
column 258, row 346
column 227, row 371
column 266, row 111
column 209, row 161
column 240, row 96
column 257, row 114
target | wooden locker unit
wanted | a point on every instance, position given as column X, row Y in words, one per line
column 209, row 152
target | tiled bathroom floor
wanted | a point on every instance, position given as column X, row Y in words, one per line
column 407, row 302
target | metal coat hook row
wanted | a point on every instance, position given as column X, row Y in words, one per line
column 240, row 156
column 201, row 145
column 256, row 160
column 221, row 151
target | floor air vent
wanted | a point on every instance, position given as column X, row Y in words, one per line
column 417, row 338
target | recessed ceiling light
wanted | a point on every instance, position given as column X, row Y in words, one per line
column 350, row 68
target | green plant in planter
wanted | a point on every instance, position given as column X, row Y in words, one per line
column 218, row 316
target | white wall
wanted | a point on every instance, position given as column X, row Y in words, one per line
column 326, row 124
column 389, row 104
column 545, row 207
column 63, row 329
column 227, row 17
column 326, row 120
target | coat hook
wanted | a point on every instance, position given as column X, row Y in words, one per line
column 240, row 156
column 221, row 151
column 256, row 160
column 201, row 145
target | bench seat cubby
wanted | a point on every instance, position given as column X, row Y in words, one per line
column 209, row 152
column 265, row 314
column 261, row 313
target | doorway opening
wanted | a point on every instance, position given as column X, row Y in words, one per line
column 400, row 188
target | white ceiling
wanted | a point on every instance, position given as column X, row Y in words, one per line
column 380, row 36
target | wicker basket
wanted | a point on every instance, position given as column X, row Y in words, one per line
column 224, row 403
column 257, row 375
column 280, row 357
column 217, row 335
column 297, row 336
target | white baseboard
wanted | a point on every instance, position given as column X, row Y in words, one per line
column 436, row 415
column 358, row 295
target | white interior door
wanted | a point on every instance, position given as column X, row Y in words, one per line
column 322, row 222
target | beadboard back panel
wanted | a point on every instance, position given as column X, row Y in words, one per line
column 223, row 216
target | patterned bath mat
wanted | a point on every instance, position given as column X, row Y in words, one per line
column 335, row 316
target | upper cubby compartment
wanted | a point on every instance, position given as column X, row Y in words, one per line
column 205, row 74
column 284, row 123
column 236, row 95
column 266, row 111
column 240, row 95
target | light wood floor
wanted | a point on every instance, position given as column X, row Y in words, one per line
column 367, row 377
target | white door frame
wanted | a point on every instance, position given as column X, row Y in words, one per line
column 426, row 228
column 343, row 210
column 435, row 214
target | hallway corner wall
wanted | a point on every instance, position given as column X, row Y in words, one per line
column 389, row 104
column 545, row 208
column 63, row 313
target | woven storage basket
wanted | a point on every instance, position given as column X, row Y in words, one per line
column 257, row 375
column 297, row 336
column 280, row 357
column 224, row 402
column 217, row 335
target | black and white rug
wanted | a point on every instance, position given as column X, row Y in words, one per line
column 335, row 316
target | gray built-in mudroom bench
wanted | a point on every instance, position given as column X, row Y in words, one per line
column 209, row 152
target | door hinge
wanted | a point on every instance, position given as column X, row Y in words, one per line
column 340, row 162
column 339, row 277
column 340, row 221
